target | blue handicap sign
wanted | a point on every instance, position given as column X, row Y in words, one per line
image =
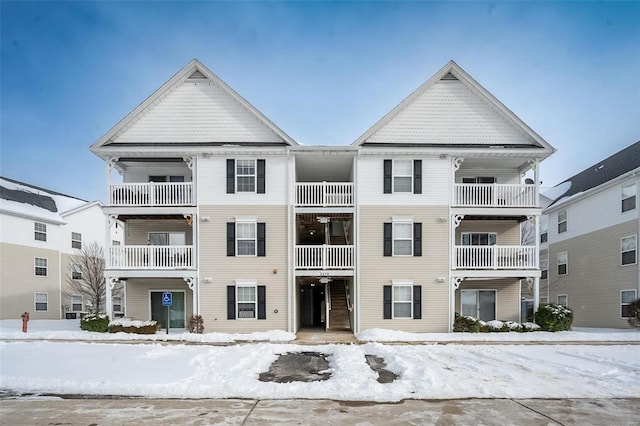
column 167, row 300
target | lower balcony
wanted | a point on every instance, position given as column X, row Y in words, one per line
column 495, row 257
column 150, row 257
column 323, row 257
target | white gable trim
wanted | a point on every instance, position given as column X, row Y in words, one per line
column 183, row 74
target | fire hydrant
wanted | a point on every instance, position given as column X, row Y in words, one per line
column 25, row 320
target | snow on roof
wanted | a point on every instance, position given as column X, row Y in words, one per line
column 22, row 199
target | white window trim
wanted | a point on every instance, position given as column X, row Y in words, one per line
column 81, row 303
column 46, row 267
column 244, row 284
column 75, row 268
column 636, row 250
column 635, row 297
column 245, row 221
column 35, row 301
column 566, row 298
column 36, row 231
column 113, row 304
column 400, row 221
column 401, row 283
column 476, row 290
column 76, row 240
column 394, row 175
column 566, row 263
column 254, row 174
column 630, row 196
column 565, row 221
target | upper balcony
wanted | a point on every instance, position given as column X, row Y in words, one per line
column 495, row 257
column 322, row 257
column 324, row 194
column 495, row 195
column 151, row 194
column 146, row 257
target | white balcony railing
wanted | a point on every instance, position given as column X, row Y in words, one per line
column 324, row 257
column 495, row 257
column 323, row 194
column 150, row 257
column 151, row 194
column 494, row 195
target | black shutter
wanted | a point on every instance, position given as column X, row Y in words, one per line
column 262, row 250
column 386, row 302
column 231, row 239
column 231, row 302
column 260, row 181
column 417, row 239
column 388, row 178
column 417, row 302
column 231, row 176
column 262, row 302
column 417, row 176
column 388, row 241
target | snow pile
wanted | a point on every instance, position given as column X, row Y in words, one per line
column 132, row 323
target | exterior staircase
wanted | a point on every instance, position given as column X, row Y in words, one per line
column 339, row 319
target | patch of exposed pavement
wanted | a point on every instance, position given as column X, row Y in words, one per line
column 298, row 367
column 378, row 365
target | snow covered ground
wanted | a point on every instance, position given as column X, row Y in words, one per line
column 426, row 371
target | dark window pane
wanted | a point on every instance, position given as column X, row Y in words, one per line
column 628, row 204
column 629, row 257
column 562, row 269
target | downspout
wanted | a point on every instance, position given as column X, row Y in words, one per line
column 356, row 241
column 290, row 269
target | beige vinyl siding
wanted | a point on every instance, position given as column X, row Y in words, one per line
column 18, row 281
column 595, row 276
column 377, row 270
column 507, row 296
column 137, row 230
column 508, row 230
column 270, row 270
column 139, row 298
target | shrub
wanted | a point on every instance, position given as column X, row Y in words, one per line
column 135, row 327
column 634, row 312
column 196, row 324
column 554, row 317
column 466, row 324
column 94, row 322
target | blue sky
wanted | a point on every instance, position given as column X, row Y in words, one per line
column 324, row 72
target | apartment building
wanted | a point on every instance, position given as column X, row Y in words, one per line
column 40, row 233
column 589, row 241
column 416, row 220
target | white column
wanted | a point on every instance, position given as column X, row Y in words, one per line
column 110, row 282
column 536, row 293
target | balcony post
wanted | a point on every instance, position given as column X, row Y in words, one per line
column 152, row 194
column 536, row 294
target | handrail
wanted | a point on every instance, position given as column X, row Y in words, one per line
column 346, row 294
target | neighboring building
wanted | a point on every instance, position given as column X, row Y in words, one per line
column 589, row 245
column 416, row 220
column 40, row 231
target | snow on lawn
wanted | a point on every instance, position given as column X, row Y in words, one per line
column 425, row 371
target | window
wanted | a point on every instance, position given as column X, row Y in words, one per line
column 563, row 299
column 116, row 303
column 544, row 300
column 626, row 298
column 544, row 268
column 76, row 240
column 246, row 176
column 628, row 197
column 40, row 231
column 40, row 266
column 563, row 259
column 402, row 300
column 544, row 274
column 479, row 238
column 544, row 229
column 76, row 303
column 562, row 222
column 544, row 237
column 402, row 176
column 76, row 272
column 246, row 300
column 402, row 238
column 246, row 238
column 41, row 302
column 115, row 243
column 166, row 178
column 628, row 249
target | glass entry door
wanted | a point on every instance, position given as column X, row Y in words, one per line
column 480, row 304
column 176, row 310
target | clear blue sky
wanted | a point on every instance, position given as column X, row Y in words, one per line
column 323, row 72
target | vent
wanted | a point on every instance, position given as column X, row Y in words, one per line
column 197, row 75
column 449, row 76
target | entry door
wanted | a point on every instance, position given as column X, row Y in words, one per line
column 176, row 310
column 479, row 304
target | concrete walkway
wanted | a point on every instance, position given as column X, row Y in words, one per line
column 316, row 412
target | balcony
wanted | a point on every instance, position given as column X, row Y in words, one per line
column 324, row 257
column 151, row 194
column 150, row 257
column 495, row 257
column 494, row 195
column 324, row 194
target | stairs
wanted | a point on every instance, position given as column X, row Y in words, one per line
column 339, row 314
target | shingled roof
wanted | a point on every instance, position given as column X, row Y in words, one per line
column 603, row 171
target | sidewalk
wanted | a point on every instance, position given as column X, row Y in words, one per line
column 319, row 412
